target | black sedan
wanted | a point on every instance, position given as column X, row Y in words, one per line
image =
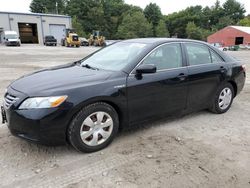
column 86, row 102
column 50, row 41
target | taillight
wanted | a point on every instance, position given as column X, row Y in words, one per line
column 243, row 67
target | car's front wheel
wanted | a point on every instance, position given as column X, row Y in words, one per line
column 94, row 127
column 223, row 99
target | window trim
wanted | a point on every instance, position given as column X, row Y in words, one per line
column 212, row 50
column 149, row 53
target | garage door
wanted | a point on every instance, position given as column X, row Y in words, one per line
column 58, row 31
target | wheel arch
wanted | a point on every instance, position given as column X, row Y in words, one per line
column 120, row 111
column 234, row 86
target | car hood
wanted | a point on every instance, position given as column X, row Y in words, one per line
column 58, row 78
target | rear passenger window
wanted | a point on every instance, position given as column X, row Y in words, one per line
column 215, row 57
column 198, row 54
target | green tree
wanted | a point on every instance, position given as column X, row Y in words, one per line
column 113, row 10
column 223, row 22
column 48, row 6
column 153, row 14
column 245, row 22
column 78, row 26
column 81, row 9
column 234, row 10
column 161, row 29
column 216, row 13
column 194, row 32
column 134, row 25
column 177, row 22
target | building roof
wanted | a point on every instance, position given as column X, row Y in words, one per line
column 242, row 28
column 36, row 14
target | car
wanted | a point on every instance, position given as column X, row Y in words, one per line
column 87, row 102
column 223, row 48
column 50, row 40
column 11, row 38
column 84, row 41
column 220, row 46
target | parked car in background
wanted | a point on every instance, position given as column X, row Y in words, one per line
column 88, row 101
column 219, row 46
column 244, row 46
column 84, row 41
column 11, row 38
column 50, row 40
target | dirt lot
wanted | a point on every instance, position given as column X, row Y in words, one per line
column 197, row 150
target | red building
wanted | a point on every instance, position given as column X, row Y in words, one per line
column 231, row 35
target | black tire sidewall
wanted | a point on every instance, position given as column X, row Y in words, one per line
column 217, row 109
column 74, row 129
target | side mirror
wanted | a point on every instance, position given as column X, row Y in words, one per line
column 146, row 69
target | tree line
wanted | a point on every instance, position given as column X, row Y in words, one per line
column 118, row 20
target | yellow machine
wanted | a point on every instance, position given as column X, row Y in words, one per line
column 96, row 39
column 71, row 39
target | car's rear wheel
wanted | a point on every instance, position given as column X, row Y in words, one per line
column 94, row 127
column 223, row 99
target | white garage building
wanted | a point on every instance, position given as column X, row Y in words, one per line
column 33, row 27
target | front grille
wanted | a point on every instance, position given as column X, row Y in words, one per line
column 9, row 100
column 75, row 38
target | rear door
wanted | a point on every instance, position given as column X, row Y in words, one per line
column 162, row 92
column 206, row 70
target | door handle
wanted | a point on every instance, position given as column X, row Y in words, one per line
column 223, row 69
column 182, row 76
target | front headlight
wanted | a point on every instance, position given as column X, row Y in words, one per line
column 42, row 102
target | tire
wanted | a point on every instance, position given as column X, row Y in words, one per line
column 89, row 114
column 217, row 102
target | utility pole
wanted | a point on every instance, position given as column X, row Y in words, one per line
column 56, row 7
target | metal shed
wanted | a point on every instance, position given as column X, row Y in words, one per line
column 33, row 27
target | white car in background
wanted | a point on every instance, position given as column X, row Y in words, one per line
column 11, row 38
column 220, row 46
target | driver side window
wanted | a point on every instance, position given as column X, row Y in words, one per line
column 164, row 57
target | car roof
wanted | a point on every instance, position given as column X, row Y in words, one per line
column 10, row 32
column 160, row 40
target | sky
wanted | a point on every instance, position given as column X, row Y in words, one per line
column 167, row 6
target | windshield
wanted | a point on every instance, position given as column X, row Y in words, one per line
column 11, row 36
column 115, row 57
column 49, row 37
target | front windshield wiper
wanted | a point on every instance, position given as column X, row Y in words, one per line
column 89, row 67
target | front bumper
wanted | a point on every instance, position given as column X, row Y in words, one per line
column 12, row 43
column 50, row 43
column 43, row 126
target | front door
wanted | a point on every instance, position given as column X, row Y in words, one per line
column 162, row 92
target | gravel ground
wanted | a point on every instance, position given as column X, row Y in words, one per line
column 197, row 150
